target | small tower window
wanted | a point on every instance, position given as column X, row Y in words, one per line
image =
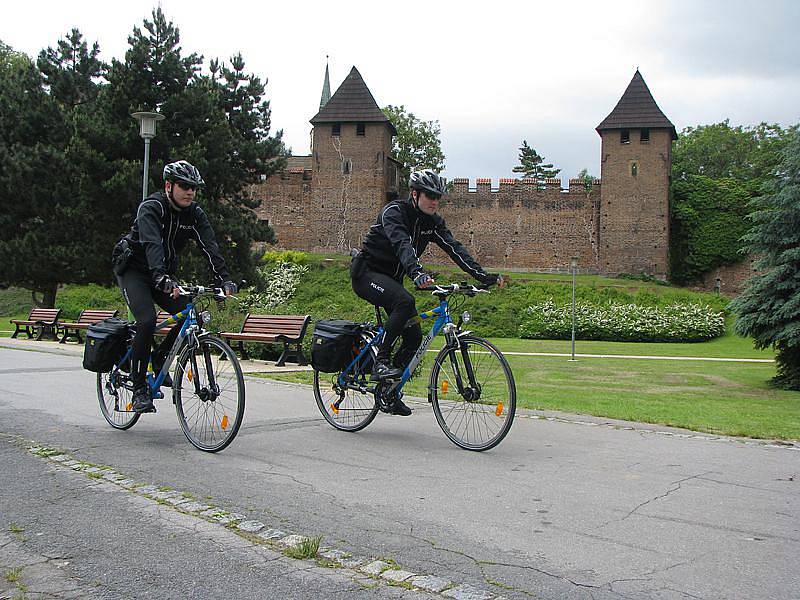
column 644, row 136
column 360, row 129
column 625, row 136
column 634, row 169
column 347, row 166
column 336, row 130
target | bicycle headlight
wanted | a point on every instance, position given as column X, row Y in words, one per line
column 466, row 317
column 205, row 317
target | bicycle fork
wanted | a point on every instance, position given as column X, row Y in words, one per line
column 472, row 391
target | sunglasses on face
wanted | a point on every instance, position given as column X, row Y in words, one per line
column 186, row 186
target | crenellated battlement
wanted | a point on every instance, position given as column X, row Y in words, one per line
column 462, row 184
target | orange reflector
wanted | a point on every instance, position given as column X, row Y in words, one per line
column 499, row 410
column 445, row 385
column 189, row 374
column 334, row 409
column 224, row 423
column 129, row 406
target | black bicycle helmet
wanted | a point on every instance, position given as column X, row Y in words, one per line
column 183, row 171
column 427, row 181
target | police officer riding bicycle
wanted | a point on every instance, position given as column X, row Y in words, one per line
column 145, row 261
column 392, row 249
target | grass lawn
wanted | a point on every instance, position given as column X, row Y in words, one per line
column 724, row 398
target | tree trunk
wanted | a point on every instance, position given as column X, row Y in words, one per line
column 48, row 299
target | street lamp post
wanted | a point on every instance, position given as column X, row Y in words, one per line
column 573, row 265
column 147, row 129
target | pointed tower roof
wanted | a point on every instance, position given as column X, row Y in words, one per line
column 637, row 109
column 352, row 103
column 326, row 88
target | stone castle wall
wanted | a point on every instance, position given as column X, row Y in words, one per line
column 519, row 224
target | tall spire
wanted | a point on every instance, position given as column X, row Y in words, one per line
column 326, row 87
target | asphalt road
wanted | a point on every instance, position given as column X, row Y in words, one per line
column 569, row 507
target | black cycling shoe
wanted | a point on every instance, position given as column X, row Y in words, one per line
column 383, row 372
column 141, row 401
column 400, row 408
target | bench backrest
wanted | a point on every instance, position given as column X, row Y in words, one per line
column 163, row 316
column 89, row 316
column 48, row 315
column 289, row 325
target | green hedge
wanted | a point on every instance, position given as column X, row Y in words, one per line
column 623, row 322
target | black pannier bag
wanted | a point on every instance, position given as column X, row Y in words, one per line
column 105, row 345
column 332, row 344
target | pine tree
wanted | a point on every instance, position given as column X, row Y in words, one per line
column 532, row 165
column 769, row 308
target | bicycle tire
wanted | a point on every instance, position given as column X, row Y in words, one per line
column 480, row 424
column 210, row 424
column 118, row 412
column 349, row 409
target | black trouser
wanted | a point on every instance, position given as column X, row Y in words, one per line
column 139, row 293
column 381, row 290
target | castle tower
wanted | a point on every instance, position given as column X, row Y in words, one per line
column 352, row 170
column 636, row 161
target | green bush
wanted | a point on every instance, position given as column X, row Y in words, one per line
column 276, row 257
column 72, row 299
column 623, row 322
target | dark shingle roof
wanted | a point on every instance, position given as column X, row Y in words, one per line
column 637, row 109
column 352, row 103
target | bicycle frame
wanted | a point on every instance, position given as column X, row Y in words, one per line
column 442, row 315
column 154, row 380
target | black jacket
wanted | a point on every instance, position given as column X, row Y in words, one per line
column 401, row 234
column 159, row 233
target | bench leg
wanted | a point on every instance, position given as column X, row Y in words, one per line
column 242, row 351
column 284, row 355
column 16, row 331
column 301, row 359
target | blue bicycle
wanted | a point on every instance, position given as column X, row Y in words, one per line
column 207, row 384
column 471, row 387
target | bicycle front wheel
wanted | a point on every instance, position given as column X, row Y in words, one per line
column 115, row 392
column 473, row 394
column 208, row 388
column 348, row 407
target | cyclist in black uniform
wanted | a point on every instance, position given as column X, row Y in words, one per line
column 392, row 249
column 146, row 259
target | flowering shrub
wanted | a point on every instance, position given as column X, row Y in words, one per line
column 280, row 284
column 623, row 322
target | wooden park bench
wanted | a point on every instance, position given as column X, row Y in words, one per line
column 271, row 329
column 87, row 317
column 39, row 322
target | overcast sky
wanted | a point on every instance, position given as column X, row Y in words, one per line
column 492, row 73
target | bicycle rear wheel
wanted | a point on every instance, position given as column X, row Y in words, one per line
column 347, row 407
column 477, row 414
column 115, row 392
column 208, row 388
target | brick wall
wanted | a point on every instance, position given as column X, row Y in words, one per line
column 524, row 224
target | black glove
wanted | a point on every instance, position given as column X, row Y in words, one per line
column 423, row 280
column 490, row 279
column 165, row 284
column 229, row 288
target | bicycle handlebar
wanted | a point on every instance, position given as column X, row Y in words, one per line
column 459, row 288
